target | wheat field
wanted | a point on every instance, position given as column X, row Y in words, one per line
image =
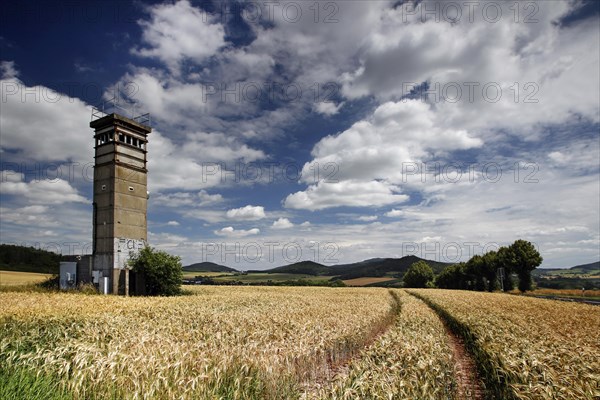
column 540, row 349
column 235, row 342
column 293, row 343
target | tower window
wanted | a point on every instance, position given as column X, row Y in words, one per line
column 131, row 188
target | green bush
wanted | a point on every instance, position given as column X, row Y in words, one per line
column 162, row 272
column 419, row 275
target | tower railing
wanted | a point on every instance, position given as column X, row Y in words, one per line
column 112, row 106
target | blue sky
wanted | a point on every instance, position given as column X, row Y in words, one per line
column 325, row 131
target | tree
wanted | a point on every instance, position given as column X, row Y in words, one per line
column 489, row 267
column 418, row 275
column 475, row 271
column 452, row 277
column 163, row 273
column 523, row 257
column 504, row 260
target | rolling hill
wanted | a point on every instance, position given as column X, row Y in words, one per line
column 302, row 267
column 591, row 268
column 384, row 266
column 207, row 267
column 376, row 267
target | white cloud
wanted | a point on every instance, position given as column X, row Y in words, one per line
column 327, row 108
column 370, row 156
column 8, row 70
column 282, row 223
column 578, row 155
column 219, row 154
column 247, row 213
column 378, row 147
column 367, row 218
column 394, row 213
column 178, row 32
column 236, row 233
column 165, row 241
column 56, row 191
column 179, row 199
column 349, row 193
column 32, row 113
column 173, row 223
column 551, row 63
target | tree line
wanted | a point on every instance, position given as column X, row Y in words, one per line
column 28, row 259
column 490, row 271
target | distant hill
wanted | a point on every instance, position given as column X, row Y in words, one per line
column 375, row 267
column 591, row 268
column 302, row 267
column 587, row 268
column 208, row 267
column 28, row 259
column 384, row 266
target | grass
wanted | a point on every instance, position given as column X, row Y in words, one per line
column 21, row 278
column 23, row 384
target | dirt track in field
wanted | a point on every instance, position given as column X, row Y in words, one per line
column 469, row 384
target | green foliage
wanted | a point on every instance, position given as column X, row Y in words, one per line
column 452, row 277
column 480, row 272
column 418, row 275
column 489, row 269
column 522, row 258
column 474, row 270
column 23, row 384
column 502, row 256
column 162, row 272
column 28, row 259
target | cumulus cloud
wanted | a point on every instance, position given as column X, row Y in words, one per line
column 513, row 76
column 31, row 112
column 328, row 108
column 349, row 193
column 370, row 157
column 56, row 191
column 219, row 153
column 247, row 213
column 282, row 223
column 179, row 31
column 236, row 233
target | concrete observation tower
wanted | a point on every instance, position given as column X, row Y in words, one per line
column 120, row 196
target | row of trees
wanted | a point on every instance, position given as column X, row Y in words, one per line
column 481, row 272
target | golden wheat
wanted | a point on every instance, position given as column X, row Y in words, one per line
column 412, row 360
column 545, row 349
column 230, row 342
